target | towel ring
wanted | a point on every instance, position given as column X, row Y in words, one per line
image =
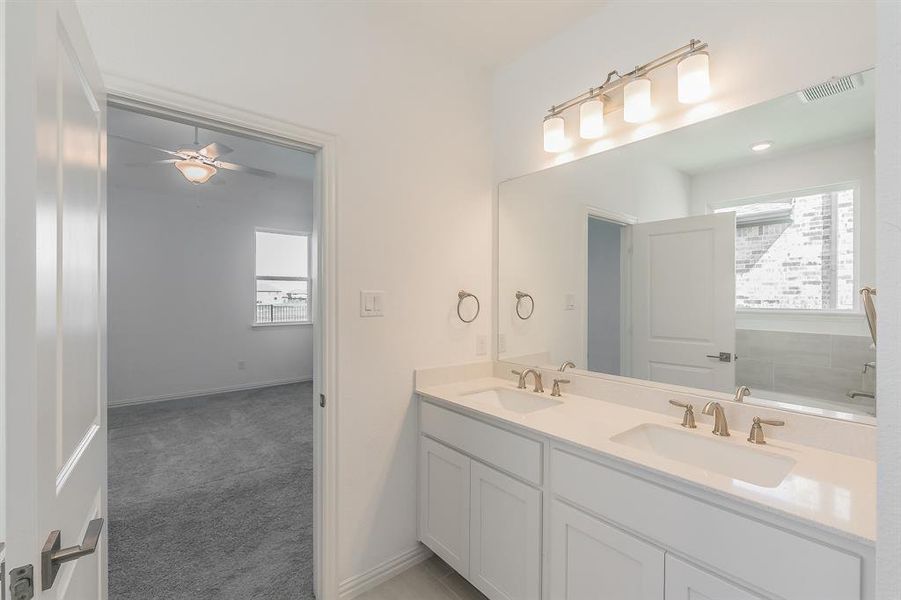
column 519, row 298
column 463, row 295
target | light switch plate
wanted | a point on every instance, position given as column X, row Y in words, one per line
column 372, row 303
column 501, row 343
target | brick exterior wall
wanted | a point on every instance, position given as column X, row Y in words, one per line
column 804, row 261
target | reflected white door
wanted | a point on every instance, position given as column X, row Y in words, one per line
column 683, row 301
column 55, row 311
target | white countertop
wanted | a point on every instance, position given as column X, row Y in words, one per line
column 828, row 490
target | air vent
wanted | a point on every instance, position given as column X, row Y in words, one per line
column 834, row 86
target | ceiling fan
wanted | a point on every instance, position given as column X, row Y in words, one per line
column 199, row 164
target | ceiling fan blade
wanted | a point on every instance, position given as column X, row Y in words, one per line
column 169, row 152
column 243, row 169
column 166, row 161
column 214, row 150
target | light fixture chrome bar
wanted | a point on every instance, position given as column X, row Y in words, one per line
column 611, row 84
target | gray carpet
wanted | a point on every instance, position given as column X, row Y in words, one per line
column 212, row 497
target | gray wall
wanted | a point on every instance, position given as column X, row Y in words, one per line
column 181, row 285
column 604, row 284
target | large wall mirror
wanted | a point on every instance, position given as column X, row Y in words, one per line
column 727, row 253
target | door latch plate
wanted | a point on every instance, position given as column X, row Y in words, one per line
column 21, row 583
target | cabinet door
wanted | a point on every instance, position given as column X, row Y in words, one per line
column 591, row 560
column 444, row 503
column 685, row 582
column 505, row 538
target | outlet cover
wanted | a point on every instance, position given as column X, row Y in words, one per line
column 481, row 345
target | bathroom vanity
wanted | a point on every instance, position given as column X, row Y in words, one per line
column 602, row 493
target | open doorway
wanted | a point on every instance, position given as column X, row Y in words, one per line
column 211, row 309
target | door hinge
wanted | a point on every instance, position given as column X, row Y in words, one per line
column 21, row 583
column 322, row 400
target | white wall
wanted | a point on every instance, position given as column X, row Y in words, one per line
column 181, row 288
column 888, row 280
column 414, row 210
column 758, row 51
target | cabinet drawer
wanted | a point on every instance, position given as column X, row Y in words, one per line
column 513, row 453
column 758, row 555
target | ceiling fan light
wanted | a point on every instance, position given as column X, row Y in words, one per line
column 195, row 171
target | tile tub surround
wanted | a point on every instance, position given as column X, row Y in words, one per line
column 835, row 459
column 806, row 364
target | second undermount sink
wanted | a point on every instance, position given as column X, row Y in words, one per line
column 716, row 455
column 513, row 400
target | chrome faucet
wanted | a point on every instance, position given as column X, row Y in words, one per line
column 868, row 366
column 720, row 427
column 569, row 364
column 539, row 386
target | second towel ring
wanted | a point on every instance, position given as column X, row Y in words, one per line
column 463, row 295
column 519, row 298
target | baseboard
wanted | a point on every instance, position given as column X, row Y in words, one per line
column 356, row 585
column 206, row 392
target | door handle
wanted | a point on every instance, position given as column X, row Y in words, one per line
column 722, row 356
column 52, row 557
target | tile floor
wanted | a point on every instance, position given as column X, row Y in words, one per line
column 429, row 580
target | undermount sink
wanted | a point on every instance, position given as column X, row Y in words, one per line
column 513, row 400
column 716, row 455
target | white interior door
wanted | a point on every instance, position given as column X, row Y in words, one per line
column 683, row 301
column 54, row 292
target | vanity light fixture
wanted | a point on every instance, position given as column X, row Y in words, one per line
column 694, row 86
column 762, row 146
column 591, row 118
column 555, row 134
column 694, row 77
column 637, row 107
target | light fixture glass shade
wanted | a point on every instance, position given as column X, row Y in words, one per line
column 555, row 134
column 637, row 106
column 195, row 171
column 694, row 78
column 591, row 118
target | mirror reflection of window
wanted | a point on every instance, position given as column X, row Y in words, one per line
column 796, row 252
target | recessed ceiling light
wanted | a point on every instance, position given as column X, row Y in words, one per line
column 762, row 146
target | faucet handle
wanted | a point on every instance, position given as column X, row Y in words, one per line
column 555, row 391
column 688, row 419
column 756, row 435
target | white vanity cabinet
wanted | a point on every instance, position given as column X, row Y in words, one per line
column 504, row 535
column 444, row 503
column 590, row 559
column 483, row 522
column 686, row 582
column 528, row 518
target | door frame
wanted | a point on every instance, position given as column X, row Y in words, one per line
column 625, row 221
column 162, row 102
